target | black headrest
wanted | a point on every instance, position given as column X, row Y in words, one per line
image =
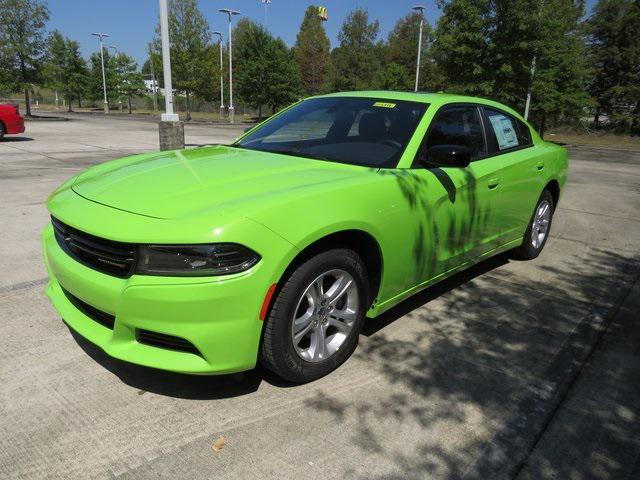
column 372, row 126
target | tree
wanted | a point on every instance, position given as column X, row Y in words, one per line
column 22, row 32
column 193, row 60
column 488, row 48
column 311, row 53
column 265, row 72
column 355, row 61
column 129, row 81
column 401, row 49
column 95, row 91
column 393, row 77
column 64, row 69
column 614, row 53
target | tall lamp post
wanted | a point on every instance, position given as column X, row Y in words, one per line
column 230, row 13
column 116, row 52
column 171, row 128
column 265, row 3
column 104, row 81
column 219, row 34
column 419, row 8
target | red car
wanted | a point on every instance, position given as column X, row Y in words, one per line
column 10, row 120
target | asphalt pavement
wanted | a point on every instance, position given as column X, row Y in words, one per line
column 510, row 369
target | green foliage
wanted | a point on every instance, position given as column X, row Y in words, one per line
column 486, row 47
column 614, row 53
column 264, row 70
column 22, row 43
column 128, row 81
column 311, row 53
column 401, row 49
column 64, row 69
column 356, row 60
column 194, row 64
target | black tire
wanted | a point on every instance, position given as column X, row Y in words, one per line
column 527, row 251
column 277, row 352
column 2, row 131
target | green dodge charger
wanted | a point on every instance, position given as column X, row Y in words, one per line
column 277, row 247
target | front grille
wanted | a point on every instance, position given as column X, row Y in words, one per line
column 103, row 318
column 170, row 342
column 107, row 256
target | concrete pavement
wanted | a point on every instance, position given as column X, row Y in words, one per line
column 460, row 381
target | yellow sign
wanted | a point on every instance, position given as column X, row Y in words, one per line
column 384, row 105
column 322, row 13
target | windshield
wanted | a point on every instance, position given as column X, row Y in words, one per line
column 361, row 131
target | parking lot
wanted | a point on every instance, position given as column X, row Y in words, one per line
column 473, row 378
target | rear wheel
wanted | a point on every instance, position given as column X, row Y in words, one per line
column 315, row 320
column 538, row 230
column 2, row 131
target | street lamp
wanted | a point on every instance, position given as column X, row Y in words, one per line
column 419, row 8
column 104, row 81
column 265, row 3
column 230, row 13
column 116, row 51
column 171, row 129
column 219, row 34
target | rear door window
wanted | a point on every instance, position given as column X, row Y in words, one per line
column 505, row 132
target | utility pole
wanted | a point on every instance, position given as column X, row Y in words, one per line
column 419, row 8
column 528, row 102
column 219, row 34
column 116, row 52
column 265, row 3
column 104, row 80
column 230, row 13
column 154, row 83
column 171, row 128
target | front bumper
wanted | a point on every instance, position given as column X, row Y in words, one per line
column 218, row 315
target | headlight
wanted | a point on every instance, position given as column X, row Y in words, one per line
column 195, row 260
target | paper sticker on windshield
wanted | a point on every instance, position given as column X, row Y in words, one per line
column 384, row 105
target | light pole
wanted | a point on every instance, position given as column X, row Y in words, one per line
column 104, row 81
column 419, row 8
column 230, row 13
column 265, row 3
column 116, row 51
column 171, row 129
column 219, row 34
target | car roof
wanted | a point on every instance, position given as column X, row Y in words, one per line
column 437, row 99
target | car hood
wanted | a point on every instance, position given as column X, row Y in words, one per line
column 203, row 180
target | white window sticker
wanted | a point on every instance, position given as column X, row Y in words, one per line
column 505, row 131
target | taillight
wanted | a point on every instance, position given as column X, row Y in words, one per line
column 17, row 107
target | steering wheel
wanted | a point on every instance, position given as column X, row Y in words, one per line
column 391, row 143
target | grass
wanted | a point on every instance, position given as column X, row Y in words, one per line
column 623, row 142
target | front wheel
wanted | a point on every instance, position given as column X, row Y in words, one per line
column 1, row 131
column 315, row 320
column 538, row 230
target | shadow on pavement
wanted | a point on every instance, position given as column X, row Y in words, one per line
column 17, row 139
column 491, row 351
column 192, row 387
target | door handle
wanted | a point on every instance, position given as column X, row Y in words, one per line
column 540, row 165
column 493, row 183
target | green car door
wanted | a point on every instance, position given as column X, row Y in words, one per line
column 521, row 168
column 460, row 218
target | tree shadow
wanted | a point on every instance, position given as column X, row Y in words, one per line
column 497, row 344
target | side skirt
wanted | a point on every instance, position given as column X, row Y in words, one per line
column 380, row 308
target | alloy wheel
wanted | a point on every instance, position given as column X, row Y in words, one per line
column 325, row 315
column 541, row 222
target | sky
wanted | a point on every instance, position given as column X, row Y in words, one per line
column 131, row 23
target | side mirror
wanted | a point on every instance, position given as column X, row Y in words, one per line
column 448, row 156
